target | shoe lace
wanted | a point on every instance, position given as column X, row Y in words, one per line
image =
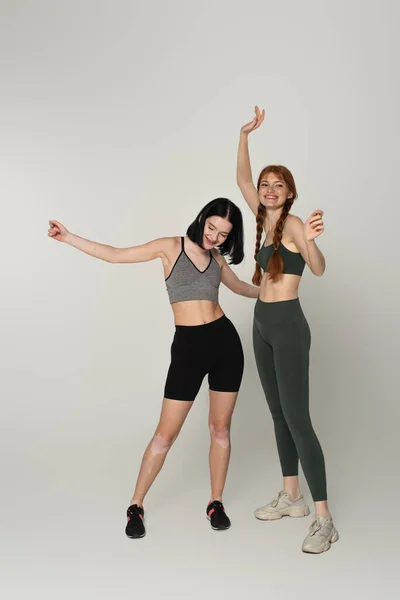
column 317, row 526
column 275, row 501
column 217, row 506
column 134, row 514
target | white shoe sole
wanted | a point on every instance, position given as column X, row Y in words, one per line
column 325, row 546
column 291, row 511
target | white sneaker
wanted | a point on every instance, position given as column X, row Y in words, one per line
column 282, row 506
column 320, row 537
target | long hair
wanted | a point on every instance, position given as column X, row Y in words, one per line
column 233, row 244
column 275, row 263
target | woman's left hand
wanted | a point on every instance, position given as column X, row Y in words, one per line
column 314, row 226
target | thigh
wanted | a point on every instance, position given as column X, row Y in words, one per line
column 222, row 405
column 187, row 369
column 226, row 372
column 264, row 356
column 291, row 354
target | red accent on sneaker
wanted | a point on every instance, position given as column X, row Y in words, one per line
column 141, row 516
column 211, row 512
column 129, row 519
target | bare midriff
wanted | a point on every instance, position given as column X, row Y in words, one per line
column 285, row 288
column 196, row 312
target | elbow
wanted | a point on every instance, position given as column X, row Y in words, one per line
column 114, row 256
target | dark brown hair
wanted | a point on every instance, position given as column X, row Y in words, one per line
column 275, row 263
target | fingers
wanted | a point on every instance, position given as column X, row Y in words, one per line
column 259, row 116
column 54, row 229
column 315, row 220
column 316, row 217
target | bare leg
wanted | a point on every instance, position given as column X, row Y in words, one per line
column 291, row 487
column 173, row 415
column 322, row 510
column 221, row 409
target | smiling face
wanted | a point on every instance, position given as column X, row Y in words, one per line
column 273, row 190
column 216, row 230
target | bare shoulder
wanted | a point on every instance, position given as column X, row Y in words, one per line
column 293, row 224
column 170, row 246
column 218, row 257
column 293, row 221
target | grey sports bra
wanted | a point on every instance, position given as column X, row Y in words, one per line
column 187, row 282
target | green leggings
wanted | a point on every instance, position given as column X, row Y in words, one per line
column 281, row 338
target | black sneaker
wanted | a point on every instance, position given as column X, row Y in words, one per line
column 217, row 516
column 134, row 527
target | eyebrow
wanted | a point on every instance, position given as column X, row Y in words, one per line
column 276, row 180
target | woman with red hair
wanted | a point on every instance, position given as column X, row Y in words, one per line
column 281, row 337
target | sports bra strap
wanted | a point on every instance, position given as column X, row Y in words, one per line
column 183, row 243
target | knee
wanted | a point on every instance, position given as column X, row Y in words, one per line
column 220, row 433
column 162, row 442
column 300, row 426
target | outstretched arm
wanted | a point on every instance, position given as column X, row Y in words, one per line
column 236, row 285
column 244, row 174
column 134, row 254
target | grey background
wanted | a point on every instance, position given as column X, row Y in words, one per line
column 121, row 119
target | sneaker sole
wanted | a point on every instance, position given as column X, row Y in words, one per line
column 218, row 528
column 295, row 512
column 334, row 538
column 135, row 537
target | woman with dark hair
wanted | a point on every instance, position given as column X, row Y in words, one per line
column 281, row 337
column 205, row 340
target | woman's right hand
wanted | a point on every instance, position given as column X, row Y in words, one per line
column 255, row 123
column 57, row 231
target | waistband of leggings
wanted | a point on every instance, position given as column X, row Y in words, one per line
column 281, row 303
column 278, row 311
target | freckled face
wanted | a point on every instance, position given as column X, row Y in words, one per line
column 273, row 191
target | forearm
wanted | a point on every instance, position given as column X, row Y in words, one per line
column 243, row 173
column 316, row 259
column 247, row 290
column 102, row 251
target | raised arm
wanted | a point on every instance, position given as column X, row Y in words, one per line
column 134, row 254
column 244, row 175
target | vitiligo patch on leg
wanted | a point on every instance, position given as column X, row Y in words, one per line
column 160, row 445
column 221, row 436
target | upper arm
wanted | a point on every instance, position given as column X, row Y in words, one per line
column 228, row 277
column 296, row 231
column 143, row 253
column 250, row 194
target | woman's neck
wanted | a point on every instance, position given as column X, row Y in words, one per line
column 271, row 219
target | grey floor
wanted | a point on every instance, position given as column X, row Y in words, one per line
column 64, row 517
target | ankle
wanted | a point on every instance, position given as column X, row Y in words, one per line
column 216, row 499
column 139, row 503
column 324, row 514
column 293, row 494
